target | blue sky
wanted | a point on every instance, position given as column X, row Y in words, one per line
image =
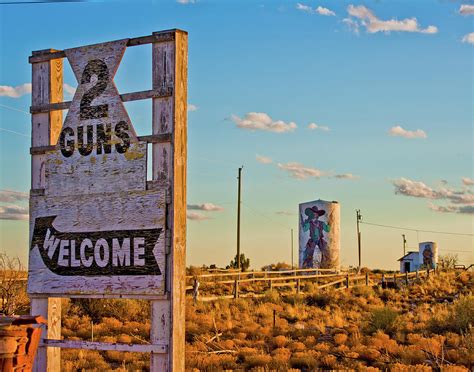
column 389, row 85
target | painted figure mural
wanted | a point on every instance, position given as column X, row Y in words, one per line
column 319, row 235
column 316, row 241
column 428, row 256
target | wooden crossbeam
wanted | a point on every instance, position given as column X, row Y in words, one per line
column 154, row 138
column 127, row 97
column 90, row 345
column 157, row 37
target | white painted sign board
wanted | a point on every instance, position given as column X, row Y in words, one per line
column 96, row 229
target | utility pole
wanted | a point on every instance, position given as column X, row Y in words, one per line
column 359, row 217
column 238, row 217
column 292, row 265
column 404, row 245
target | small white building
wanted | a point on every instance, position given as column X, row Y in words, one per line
column 409, row 262
column 426, row 257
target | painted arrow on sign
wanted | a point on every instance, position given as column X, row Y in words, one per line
column 101, row 253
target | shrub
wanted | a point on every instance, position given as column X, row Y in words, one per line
column 257, row 360
column 462, row 317
column 303, row 361
column 382, row 319
column 280, row 341
column 329, row 361
column 340, row 338
column 458, row 318
column 296, row 346
column 319, row 299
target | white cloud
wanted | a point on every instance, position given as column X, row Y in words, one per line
column 468, row 209
column 314, row 126
column 304, row 8
column 352, row 25
column 186, row 1
column 466, row 9
column 398, row 131
column 192, row 108
column 262, row 121
column 13, row 212
column 195, row 216
column 69, row 89
column 15, row 92
column 300, row 172
column 469, row 38
column 407, row 187
column 346, row 176
column 324, row 11
column 320, row 10
column 208, row 207
column 8, row 196
column 263, row 159
column 365, row 17
column 468, row 181
column 461, row 201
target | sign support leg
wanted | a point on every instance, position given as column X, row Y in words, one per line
column 48, row 358
column 159, row 333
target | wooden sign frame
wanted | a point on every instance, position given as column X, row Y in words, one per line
column 169, row 153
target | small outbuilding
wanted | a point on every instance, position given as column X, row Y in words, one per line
column 409, row 262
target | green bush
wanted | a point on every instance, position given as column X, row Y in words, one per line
column 382, row 319
column 459, row 319
column 462, row 317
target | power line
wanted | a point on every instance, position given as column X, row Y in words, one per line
column 264, row 215
column 17, row 133
column 454, row 250
column 417, row 230
column 14, row 109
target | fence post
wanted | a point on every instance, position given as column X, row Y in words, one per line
column 236, row 288
column 367, row 279
column 406, row 278
column 297, row 286
column 416, row 273
column 274, row 318
column 383, row 280
column 347, row 281
column 427, row 273
column 395, row 280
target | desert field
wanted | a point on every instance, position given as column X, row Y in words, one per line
column 426, row 326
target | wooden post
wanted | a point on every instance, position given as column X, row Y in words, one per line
column 297, row 285
column 367, row 279
column 416, row 274
column 236, row 288
column 427, row 273
column 170, row 67
column 48, row 358
column 159, row 333
column 274, row 318
column 383, row 280
column 406, row 278
column 47, row 87
column 347, row 281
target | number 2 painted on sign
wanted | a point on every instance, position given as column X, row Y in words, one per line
column 99, row 68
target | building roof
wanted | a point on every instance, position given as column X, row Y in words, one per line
column 408, row 254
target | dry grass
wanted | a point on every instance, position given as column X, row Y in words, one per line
column 425, row 327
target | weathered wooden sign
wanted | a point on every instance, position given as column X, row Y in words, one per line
column 97, row 228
